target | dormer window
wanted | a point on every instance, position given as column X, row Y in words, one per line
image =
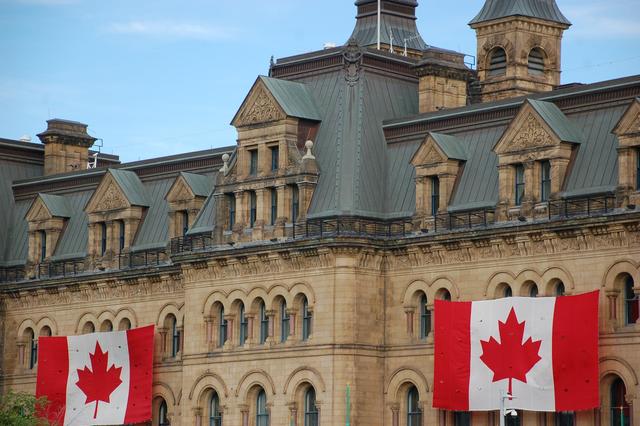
column 253, row 162
column 519, row 184
column 295, row 203
column 274, row 205
column 435, row 195
column 121, row 235
column 231, row 201
column 184, row 215
column 545, row 180
column 497, row 62
column 103, row 238
column 43, row 245
column 535, row 64
column 252, row 208
column 275, row 158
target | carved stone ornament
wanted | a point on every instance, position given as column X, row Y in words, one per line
column 635, row 127
column 530, row 135
column 112, row 199
column 38, row 212
column 261, row 108
column 430, row 156
column 352, row 62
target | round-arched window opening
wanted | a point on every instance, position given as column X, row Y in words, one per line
column 414, row 413
column 497, row 62
column 535, row 64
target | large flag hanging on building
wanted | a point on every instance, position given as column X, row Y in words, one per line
column 98, row 378
column 542, row 351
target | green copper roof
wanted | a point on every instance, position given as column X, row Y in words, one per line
column 56, row 204
column 559, row 123
column 542, row 9
column 452, row 146
column 294, row 98
column 199, row 184
column 131, row 186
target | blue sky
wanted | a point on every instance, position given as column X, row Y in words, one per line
column 155, row 78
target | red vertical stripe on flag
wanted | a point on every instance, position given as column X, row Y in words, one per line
column 453, row 355
column 575, row 352
column 53, row 370
column 140, row 342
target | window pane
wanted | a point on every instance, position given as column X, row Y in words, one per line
column 284, row 326
column 545, row 180
column 274, row 206
column 631, row 302
column 253, row 208
column 519, row 189
column 435, row 195
column 533, row 292
column 275, row 158
column 425, row 318
column 253, row 162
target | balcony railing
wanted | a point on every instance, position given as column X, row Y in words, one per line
column 154, row 257
column 12, row 274
column 351, row 226
column 582, row 206
column 464, row 220
column 61, row 268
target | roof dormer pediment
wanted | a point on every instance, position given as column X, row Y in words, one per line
column 189, row 186
column 272, row 99
column 537, row 126
column 119, row 189
column 46, row 207
column 438, row 148
column 629, row 124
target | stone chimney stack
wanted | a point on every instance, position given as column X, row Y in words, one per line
column 66, row 146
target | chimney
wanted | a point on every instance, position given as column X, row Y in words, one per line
column 66, row 146
column 443, row 80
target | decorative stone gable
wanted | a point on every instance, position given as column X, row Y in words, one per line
column 259, row 107
column 628, row 132
column 532, row 150
column 108, row 196
column 45, row 228
column 180, row 191
column 438, row 161
column 184, row 206
column 38, row 212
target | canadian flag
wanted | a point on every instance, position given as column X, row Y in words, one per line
column 98, row 378
column 541, row 351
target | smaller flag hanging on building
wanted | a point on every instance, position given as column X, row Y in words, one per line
column 98, row 378
column 543, row 352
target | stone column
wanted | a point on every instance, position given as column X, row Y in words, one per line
column 208, row 321
column 197, row 414
column 447, row 181
column 271, row 316
column 409, row 313
column 162, row 331
column 230, row 330
column 292, row 322
column 293, row 413
column 395, row 411
column 251, row 319
column 242, row 209
column 636, row 292
column 181, row 343
column 529, row 188
column 506, row 179
column 21, row 353
column 430, row 336
column 612, row 297
column 244, row 410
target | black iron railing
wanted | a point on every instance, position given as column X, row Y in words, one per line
column 582, row 206
column 464, row 220
column 193, row 242
column 351, row 226
column 61, row 268
column 137, row 259
column 12, row 274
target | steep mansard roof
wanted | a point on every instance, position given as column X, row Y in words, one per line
column 542, row 9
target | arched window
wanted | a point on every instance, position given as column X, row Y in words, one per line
column 262, row 416
column 88, row 327
column 163, row 417
column 106, row 326
column 45, row 331
column 172, row 325
column 507, row 291
column 620, row 409
column 461, row 418
column 125, row 324
column 565, row 418
column 307, row 319
column 560, row 289
column 445, row 295
column 631, row 301
column 425, row 317
column 533, row 290
column 222, row 328
column 244, row 326
column 414, row 413
column 536, row 62
column 264, row 323
column 121, row 235
column 497, row 62
column 310, row 409
column 215, row 414
column 33, row 348
column 284, row 322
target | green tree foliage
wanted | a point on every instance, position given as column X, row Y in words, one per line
column 21, row 409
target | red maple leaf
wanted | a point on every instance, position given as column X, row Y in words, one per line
column 99, row 384
column 510, row 359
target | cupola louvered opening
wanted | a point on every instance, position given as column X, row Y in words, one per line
column 536, row 62
column 497, row 62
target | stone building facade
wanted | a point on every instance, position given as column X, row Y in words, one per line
column 303, row 263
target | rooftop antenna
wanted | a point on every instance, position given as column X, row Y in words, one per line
column 379, row 13
column 93, row 158
column 391, row 42
column 408, row 39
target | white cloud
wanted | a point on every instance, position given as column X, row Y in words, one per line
column 170, row 29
